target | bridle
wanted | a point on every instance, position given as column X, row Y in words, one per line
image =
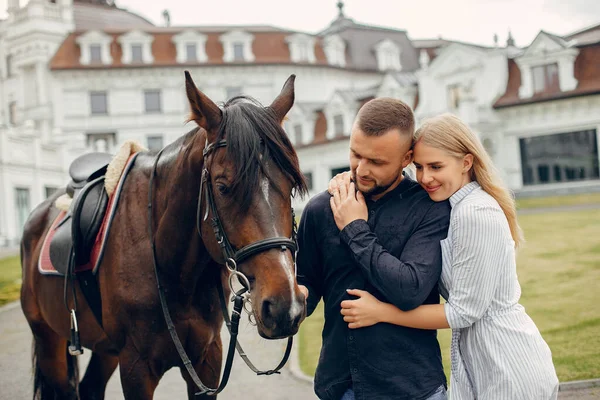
column 232, row 259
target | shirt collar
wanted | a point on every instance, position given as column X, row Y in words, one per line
column 463, row 192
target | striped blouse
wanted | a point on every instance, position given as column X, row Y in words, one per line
column 497, row 351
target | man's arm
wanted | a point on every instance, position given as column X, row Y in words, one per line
column 308, row 262
column 406, row 281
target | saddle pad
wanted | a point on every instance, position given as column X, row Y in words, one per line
column 45, row 265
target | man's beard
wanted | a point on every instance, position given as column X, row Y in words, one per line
column 375, row 190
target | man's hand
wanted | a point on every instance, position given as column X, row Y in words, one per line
column 304, row 291
column 347, row 204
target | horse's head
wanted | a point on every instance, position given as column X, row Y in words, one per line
column 250, row 173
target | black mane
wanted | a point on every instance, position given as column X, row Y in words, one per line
column 255, row 137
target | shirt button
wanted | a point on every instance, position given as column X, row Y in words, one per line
column 355, row 370
column 351, row 337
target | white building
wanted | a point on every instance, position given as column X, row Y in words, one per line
column 86, row 75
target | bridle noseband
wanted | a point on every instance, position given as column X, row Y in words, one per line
column 232, row 258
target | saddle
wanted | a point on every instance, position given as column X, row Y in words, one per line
column 75, row 235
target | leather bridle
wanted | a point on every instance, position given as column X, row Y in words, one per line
column 232, row 259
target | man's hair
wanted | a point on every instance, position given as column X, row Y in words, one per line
column 378, row 116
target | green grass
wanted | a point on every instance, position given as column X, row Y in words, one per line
column 556, row 201
column 10, row 279
column 559, row 272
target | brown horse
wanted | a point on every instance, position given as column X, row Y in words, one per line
column 253, row 177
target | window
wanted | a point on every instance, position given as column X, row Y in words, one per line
column 232, row 91
column 338, row 125
column 545, row 78
column 453, row 93
column 238, row 52
column 560, row 157
column 95, row 54
column 12, row 113
column 335, row 171
column 50, row 190
column 298, row 134
column 101, row 142
column 136, row 53
column 155, row 142
column 152, row 101
column 9, row 66
column 22, row 206
column 309, row 179
column 191, row 53
column 98, row 103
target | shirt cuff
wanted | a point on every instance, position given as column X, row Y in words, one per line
column 354, row 228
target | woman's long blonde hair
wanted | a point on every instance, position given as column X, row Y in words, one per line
column 448, row 133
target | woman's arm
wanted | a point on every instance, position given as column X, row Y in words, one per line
column 367, row 310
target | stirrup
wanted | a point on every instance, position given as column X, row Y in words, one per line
column 75, row 348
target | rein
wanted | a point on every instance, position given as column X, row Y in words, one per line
column 232, row 259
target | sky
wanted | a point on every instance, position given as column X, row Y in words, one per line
column 474, row 21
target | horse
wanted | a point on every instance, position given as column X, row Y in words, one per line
column 242, row 155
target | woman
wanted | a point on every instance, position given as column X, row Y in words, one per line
column 497, row 351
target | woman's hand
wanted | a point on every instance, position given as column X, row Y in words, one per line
column 362, row 312
column 347, row 204
column 340, row 179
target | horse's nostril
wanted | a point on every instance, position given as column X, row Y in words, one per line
column 268, row 310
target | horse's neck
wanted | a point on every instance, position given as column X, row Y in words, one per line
column 176, row 195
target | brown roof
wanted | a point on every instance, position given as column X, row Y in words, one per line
column 269, row 47
column 586, row 71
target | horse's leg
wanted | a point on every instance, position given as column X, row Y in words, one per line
column 208, row 370
column 97, row 374
column 56, row 372
column 137, row 378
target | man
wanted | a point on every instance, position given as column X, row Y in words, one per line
column 393, row 252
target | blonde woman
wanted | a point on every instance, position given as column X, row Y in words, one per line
column 497, row 351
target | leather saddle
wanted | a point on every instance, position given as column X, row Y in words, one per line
column 74, row 238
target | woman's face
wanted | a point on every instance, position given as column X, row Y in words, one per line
column 439, row 173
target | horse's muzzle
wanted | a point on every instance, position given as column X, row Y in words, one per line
column 280, row 319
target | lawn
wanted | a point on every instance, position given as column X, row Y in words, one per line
column 556, row 201
column 559, row 272
column 10, row 279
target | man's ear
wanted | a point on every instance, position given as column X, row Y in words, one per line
column 408, row 158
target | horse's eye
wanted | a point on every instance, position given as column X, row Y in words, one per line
column 222, row 189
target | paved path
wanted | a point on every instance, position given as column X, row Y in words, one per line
column 16, row 378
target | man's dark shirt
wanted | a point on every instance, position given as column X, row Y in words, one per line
column 396, row 256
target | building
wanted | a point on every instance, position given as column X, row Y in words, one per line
column 82, row 75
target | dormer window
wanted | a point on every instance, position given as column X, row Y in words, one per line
column 547, row 66
column 191, row 47
column 338, row 125
column 302, row 48
column 95, row 54
column 237, row 46
column 95, row 48
column 388, row 56
column 136, row 53
column 335, row 50
column 238, row 52
column 191, row 52
column 545, row 78
column 137, row 47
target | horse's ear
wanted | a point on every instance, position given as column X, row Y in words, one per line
column 284, row 102
column 203, row 110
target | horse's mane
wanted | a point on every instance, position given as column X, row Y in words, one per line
column 254, row 138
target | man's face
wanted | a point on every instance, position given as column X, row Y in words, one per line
column 377, row 162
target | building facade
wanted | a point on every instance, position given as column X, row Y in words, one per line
column 78, row 76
